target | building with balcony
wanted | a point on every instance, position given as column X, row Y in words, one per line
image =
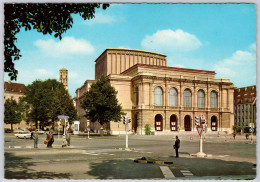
column 166, row 98
column 245, row 106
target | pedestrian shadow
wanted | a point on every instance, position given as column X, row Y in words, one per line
column 17, row 167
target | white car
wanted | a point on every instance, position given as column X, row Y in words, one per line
column 23, row 134
column 40, row 132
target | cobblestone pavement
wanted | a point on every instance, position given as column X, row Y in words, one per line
column 105, row 158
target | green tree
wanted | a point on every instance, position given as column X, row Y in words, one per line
column 45, row 18
column 101, row 104
column 43, row 98
column 13, row 112
column 63, row 105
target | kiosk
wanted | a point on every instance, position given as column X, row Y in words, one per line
column 76, row 128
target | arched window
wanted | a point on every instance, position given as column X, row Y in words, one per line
column 213, row 99
column 187, row 98
column 158, row 96
column 173, row 97
column 201, row 99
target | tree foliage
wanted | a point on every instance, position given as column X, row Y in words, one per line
column 61, row 99
column 45, row 18
column 12, row 113
column 100, row 103
column 48, row 99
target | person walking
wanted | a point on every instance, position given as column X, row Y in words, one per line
column 35, row 139
column 48, row 139
column 51, row 139
column 68, row 139
column 176, row 146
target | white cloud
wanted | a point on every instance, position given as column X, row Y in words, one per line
column 169, row 40
column 253, row 46
column 224, row 72
column 43, row 72
column 240, row 68
column 100, row 19
column 240, row 57
column 68, row 45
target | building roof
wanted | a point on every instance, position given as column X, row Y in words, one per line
column 131, row 50
column 168, row 67
column 14, row 87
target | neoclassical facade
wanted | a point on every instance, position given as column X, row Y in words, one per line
column 166, row 98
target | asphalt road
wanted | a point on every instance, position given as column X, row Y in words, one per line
column 105, row 158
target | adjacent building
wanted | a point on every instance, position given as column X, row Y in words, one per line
column 166, row 98
column 245, row 106
column 14, row 91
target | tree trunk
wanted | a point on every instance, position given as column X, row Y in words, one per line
column 11, row 127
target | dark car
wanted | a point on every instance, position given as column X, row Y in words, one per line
column 8, row 130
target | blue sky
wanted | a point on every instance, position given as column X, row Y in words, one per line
column 216, row 37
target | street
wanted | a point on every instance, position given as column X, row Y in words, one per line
column 105, row 158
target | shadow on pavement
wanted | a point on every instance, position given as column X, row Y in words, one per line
column 199, row 167
column 124, row 169
column 18, row 168
column 213, row 167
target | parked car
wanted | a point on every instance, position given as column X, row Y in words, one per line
column 8, row 130
column 23, row 134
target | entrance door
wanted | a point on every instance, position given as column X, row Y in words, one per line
column 187, row 123
column 173, row 122
column 214, row 123
column 158, row 122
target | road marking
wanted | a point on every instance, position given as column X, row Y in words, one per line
column 186, row 172
column 17, row 147
column 223, row 155
column 167, row 172
column 28, row 147
column 148, row 152
column 90, row 153
column 111, row 154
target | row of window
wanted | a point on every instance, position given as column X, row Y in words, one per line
column 173, row 98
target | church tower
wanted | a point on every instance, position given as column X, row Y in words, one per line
column 64, row 77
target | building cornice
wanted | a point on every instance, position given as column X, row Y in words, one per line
column 132, row 52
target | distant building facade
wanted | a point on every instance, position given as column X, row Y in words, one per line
column 14, row 91
column 245, row 106
column 166, row 98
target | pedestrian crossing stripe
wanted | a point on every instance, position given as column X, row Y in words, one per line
column 167, row 172
column 186, row 173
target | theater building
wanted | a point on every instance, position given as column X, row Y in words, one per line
column 166, row 98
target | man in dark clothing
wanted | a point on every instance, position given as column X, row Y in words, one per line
column 35, row 138
column 176, row 146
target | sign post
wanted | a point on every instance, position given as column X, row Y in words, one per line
column 126, row 120
column 201, row 124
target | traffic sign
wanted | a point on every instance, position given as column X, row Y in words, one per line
column 63, row 117
column 251, row 130
column 199, row 129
